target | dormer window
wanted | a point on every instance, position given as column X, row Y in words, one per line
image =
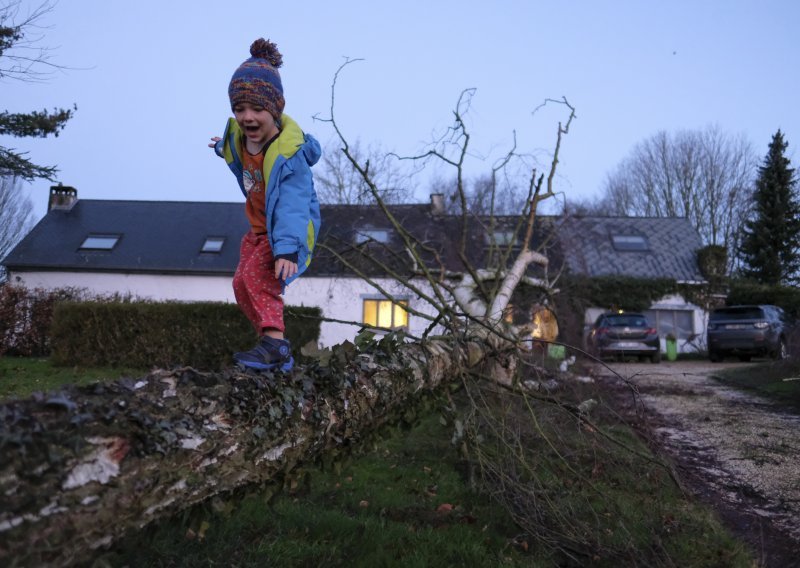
column 501, row 238
column 213, row 244
column 630, row 242
column 365, row 235
column 100, row 242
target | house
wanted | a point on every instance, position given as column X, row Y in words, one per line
column 644, row 247
column 188, row 251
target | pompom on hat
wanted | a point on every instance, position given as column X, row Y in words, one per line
column 257, row 80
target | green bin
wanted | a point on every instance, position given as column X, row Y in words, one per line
column 672, row 349
column 555, row 351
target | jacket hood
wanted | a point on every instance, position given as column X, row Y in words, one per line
column 293, row 140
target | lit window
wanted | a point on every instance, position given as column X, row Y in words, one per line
column 100, row 242
column 366, row 235
column 630, row 242
column 384, row 313
column 213, row 244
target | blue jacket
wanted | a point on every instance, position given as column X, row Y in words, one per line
column 293, row 217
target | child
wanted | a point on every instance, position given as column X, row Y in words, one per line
column 271, row 159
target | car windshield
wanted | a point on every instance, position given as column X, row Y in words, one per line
column 625, row 320
column 744, row 313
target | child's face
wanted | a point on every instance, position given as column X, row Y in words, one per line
column 256, row 122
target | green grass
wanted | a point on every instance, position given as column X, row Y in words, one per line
column 383, row 509
column 22, row 376
column 768, row 380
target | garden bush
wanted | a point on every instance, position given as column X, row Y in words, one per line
column 203, row 335
column 26, row 316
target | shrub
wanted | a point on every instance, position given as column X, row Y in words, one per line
column 143, row 334
column 26, row 316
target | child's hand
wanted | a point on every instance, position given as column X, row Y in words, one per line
column 285, row 269
column 214, row 141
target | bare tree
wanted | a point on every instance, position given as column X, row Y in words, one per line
column 485, row 194
column 703, row 175
column 336, row 182
column 469, row 295
column 16, row 217
column 469, row 302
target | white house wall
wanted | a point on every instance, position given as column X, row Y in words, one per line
column 158, row 287
column 342, row 299
column 339, row 298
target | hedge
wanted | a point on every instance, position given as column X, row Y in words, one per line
column 203, row 335
column 750, row 292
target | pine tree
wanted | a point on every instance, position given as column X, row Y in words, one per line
column 770, row 248
column 22, row 60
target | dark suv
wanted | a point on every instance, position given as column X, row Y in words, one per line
column 747, row 331
column 624, row 334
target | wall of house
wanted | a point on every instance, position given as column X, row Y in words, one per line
column 340, row 298
column 343, row 299
column 157, row 287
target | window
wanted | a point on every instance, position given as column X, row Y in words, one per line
column 213, row 244
column 679, row 323
column 500, row 238
column 100, row 242
column 383, row 313
column 365, row 235
column 630, row 242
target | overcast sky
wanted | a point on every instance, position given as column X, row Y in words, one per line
column 150, row 80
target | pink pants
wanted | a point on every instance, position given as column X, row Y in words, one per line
column 257, row 291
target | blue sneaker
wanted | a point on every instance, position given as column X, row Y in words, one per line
column 268, row 354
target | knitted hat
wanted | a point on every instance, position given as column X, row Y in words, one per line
column 257, row 80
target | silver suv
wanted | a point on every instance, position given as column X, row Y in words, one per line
column 746, row 331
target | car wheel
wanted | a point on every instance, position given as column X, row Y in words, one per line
column 745, row 358
column 715, row 356
column 655, row 357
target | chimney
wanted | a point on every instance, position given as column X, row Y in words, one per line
column 437, row 204
column 62, row 197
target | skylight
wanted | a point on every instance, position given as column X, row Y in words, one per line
column 100, row 242
column 213, row 244
column 630, row 242
column 501, row 238
column 364, row 235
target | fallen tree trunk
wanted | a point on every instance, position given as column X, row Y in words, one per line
column 81, row 468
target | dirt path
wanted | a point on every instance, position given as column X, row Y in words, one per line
column 736, row 450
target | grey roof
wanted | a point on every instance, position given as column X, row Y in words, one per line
column 588, row 249
column 437, row 239
column 166, row 237
column 155, row 236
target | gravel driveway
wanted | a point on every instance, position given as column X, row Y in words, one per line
column 735, row 449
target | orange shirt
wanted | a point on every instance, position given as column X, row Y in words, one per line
column 255, row 186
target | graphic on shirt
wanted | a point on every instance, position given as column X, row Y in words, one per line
column 253, row 181
column 248, row 180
